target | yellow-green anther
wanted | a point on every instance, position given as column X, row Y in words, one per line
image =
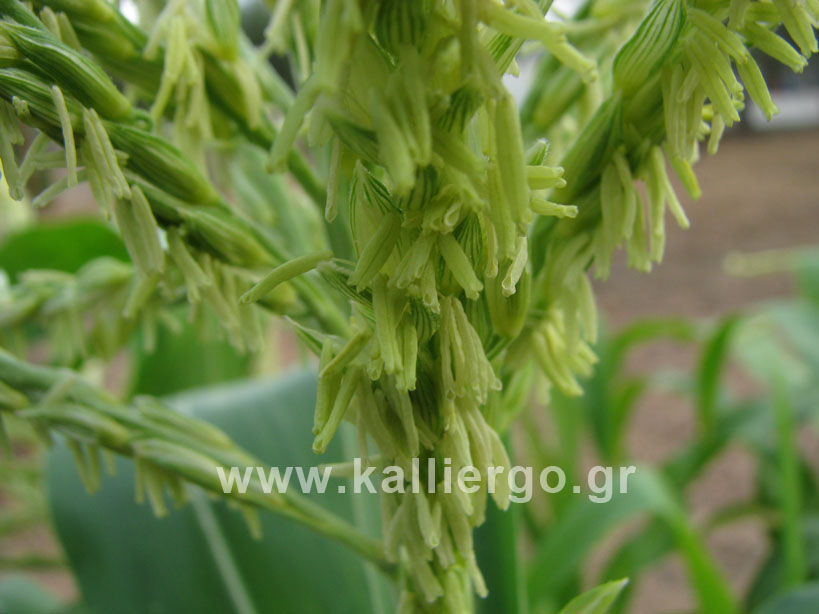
column 687, row 177
column 509, row 146
column 429, row 528
column 718, row 33
column 102, row 151
column 424, row 578
column 282, row 273
column 155, row 490
column 333, row 181
column 81, row 464
column 798, row 24
column 477, row 428
column 386, row 322
column 638, row 256
column 429, row 290
column 508, row 313
column 327, row 389
column 552, row 366
column 373, row 419
column 21, row 108
column 176, row 55
column 774, row 46
column 736, row 13
column 690, row 83
column 194, row 276
column 341, row 21
column 347, row 354
column 757, row 88
column 49, row 19
column 550, row 34
column 68, row 135
column 711, row 82
column 377, row 251
column 293, row 121
column 409, row 351
column 659, row 170
column 547, row 208
column 96, row 10
column 140, row 233
column 400, row 402
column 500, row 458
column 74, row 72
column 721, row 63
column 454, row 152
column 629, row 192
column 648, row 48
column 223, row 19
column 656, row 211
column 411, row 266
column 515, row 269
column 459, row 265
column 10, row 131
column 413, row 99
column 458, row 523
column 545, row 177
column 717, row 128
column 93, row 456
column 67, row 33
column 392, row 144
column 674, row 110
column 341, row 404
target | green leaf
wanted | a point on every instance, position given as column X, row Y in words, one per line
column 797, row 601
column 62, row 246
column 202, row 558
column 596, row 601
column 496, row 546
column 709, row 373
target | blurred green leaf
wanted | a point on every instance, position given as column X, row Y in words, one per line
column 596, row 601
column 710, row 369
column 769, row 579
column 184, row 360
column 802, row 600
column 202, row 559
column 496, row 546
column 585, row 523
column 63, row 246
column 807, row 277
column 790, row 492
column 20, row 595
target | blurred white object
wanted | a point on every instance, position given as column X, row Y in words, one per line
column 798, row 108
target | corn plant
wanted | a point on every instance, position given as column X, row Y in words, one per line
column 430, row 242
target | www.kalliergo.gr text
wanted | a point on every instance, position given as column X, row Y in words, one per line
column 520, row 481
